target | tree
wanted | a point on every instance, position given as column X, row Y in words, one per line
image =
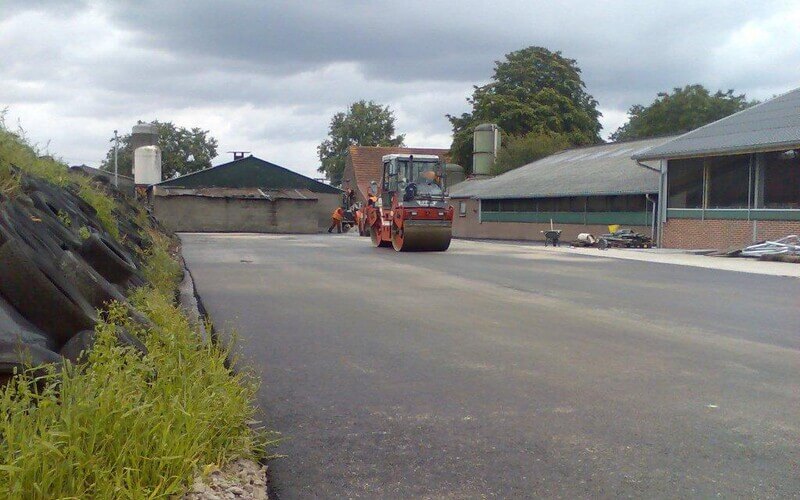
column 183, row 151
column 521, row 150
column 532, row 90
column 683, row 110
column 364, row 124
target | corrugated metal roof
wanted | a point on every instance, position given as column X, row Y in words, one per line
column 606, row 169
column 465, row 188
column 96, row 171
column 237, row 193
column 249, row 172
column 771, row 125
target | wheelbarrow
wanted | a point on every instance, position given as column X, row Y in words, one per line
column 551, row 236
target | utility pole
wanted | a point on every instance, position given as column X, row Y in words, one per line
column 116, row 148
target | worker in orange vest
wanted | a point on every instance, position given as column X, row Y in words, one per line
column 336, row 220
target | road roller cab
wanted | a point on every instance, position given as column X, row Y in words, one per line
column 411, row 211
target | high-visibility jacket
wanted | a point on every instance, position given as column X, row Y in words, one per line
column 337, row 214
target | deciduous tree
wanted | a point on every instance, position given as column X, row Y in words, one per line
column 521, row 150
column 183, row 151
column 533, row 90
column 682, row 110
column 363, row 124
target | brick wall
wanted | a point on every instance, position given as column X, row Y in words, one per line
column 470, row 227
column 723, row 234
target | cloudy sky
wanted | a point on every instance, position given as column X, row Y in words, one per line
column 266, row 76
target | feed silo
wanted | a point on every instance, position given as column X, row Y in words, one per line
column 486, row 143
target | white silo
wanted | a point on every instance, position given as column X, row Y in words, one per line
column 147, row 165
column 486, row 144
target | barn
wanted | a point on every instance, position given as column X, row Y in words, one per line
column 245, row 195
column 580, row 190
column 732, row 182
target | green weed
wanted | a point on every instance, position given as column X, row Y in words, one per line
column 122, row 425
column 126, row 426
column 160, row 268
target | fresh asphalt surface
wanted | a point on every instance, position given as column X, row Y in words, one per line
column 493, row 370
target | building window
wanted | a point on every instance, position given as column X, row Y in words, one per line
column 728, row 181
column 625, row 203
column 577, row 204
column 685, row 183
column 490, row 205
column 635, row 203
column 597, row 204
column 525, row 205
column 560, row 204
column 781, row 174
column 515, row 205
column 550, row 204
column 462, row 209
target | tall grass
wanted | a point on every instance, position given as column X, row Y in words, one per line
column 17, row 151
column 161, row 268
column 126, row 425
column 123, row 425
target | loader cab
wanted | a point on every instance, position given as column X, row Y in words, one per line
column 412, row 178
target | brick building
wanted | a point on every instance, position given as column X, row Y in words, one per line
column 364, row 164
column 732, row 182
column 581, row 190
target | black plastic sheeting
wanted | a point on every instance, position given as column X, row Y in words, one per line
column 58, row 265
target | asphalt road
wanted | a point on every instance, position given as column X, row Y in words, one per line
column 491, row 370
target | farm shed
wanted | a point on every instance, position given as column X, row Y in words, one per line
column 582, row 190
column 245, row 195
column 732, row 182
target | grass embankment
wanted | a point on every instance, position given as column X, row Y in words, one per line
column 123, row 425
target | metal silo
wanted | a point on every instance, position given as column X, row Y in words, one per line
column 455, row 174
column 144, row 134
column 486, row 143
column 147, row 165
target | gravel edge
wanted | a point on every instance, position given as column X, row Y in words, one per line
column 239, row 479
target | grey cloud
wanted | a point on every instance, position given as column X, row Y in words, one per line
column 292, row 64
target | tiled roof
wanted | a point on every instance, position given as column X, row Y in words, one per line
column 769, row 126
column 367, row 166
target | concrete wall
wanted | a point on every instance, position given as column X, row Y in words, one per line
column 206, row 214
column 723, row 234
column 326, row 204
column 469, row 226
